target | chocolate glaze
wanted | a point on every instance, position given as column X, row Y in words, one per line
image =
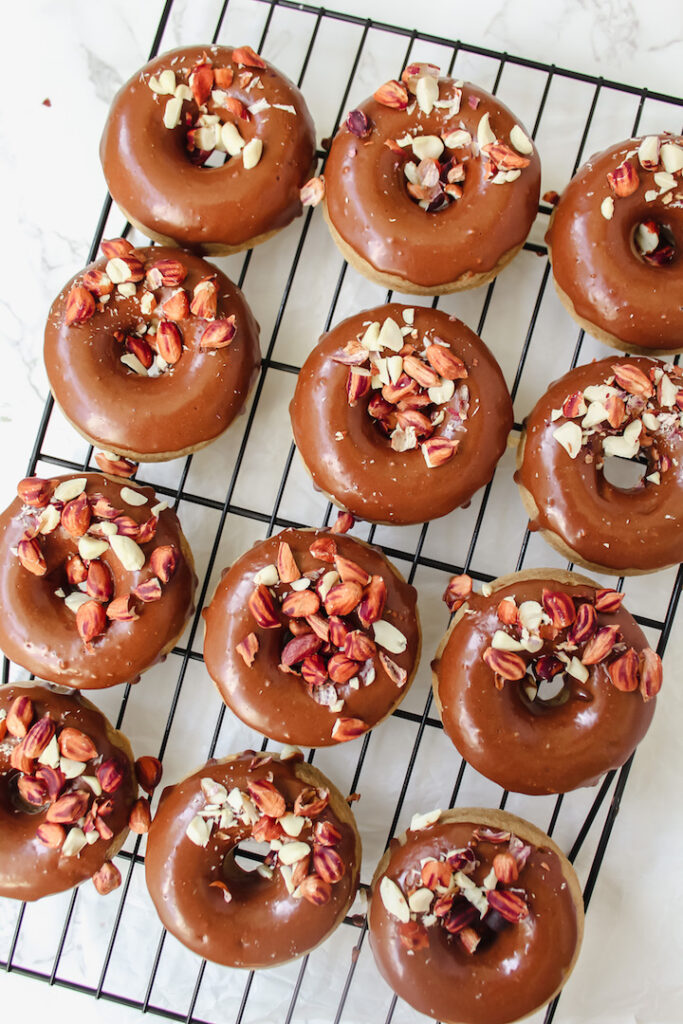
column 368, row 204
column 508, row 978
column 596, row 264
column 262, row 925
column 276, row 703
column 150, row 176
column 639, row 529
column 38, row 631
column 552, row 750
column 360, row 471
column 150, row 417
column 30, row 870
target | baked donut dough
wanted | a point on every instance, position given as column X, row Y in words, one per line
column 545, row 683
column 400, row 414
column 96, row 580
column 67, row 790
column 151, row 352
column 431, row 185
column 476, row 916
column 179, row 110
column 291, row 902
column 312, row 637
column 627, row 409
column 616, row 244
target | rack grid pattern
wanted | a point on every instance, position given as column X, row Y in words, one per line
column 606, row 802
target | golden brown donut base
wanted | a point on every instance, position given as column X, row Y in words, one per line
column 116, row 739
column 402, row 285
column 309, row 775
column 560, row 545
column 284, row 735
column 604, row 336
column 525, row 830
column 205, row 249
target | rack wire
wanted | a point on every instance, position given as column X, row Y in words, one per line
column 594, row 814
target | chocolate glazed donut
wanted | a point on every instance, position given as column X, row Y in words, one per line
column 546, row 683
column 150, row 352
column 291, row 902
column 616, row 244
column 607, row 410
column 312, row 638
column 476, row 916
column 173, row 114
column 432, row 192
column 400, row 414
column 96, row 580
column 67, row 788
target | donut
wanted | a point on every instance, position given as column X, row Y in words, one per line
column 544, row 682
column 476, row 916
column 431, row 185
column 293, row 900
column 616, row 240
column 579, row 434
column 312, row 638
column 96, row 580
column 190, row 105
column 68, row 792
column 401, row 414
column 150, row 352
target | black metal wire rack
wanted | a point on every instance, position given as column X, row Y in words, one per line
column 221, row 516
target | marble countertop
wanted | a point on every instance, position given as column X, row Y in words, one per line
column 65, row 62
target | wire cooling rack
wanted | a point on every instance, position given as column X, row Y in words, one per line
column 251, row 482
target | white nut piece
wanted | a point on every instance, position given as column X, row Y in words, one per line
column 132, row 497
column 502, row 641
column 213, row 791
column 521, row 142
column 485, row 136
column 426, row 93
column 172, row 112
column 394, row 901
column 130, row 555
column 74, row 601
column 268, row 576
column 607, row 207
column 457, row 139
column 251, row 154
column 427, row 147
column 420, row 821
column 569, row 436
column 231, row 139
column 672, row 157
column 74, row 842
column 390, row 336
column 420, row 901
column 292, row 824
column 198, row 831
column 388, row 637
column 70, row 489
column 292, row 852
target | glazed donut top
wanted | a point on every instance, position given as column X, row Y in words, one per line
column 432, row 179
column 543, row 685
column 168, row 119
column 311, row 637
column 67, row 787
column 631, row 409
column 95, row 579
column 471, row 923
column 150, row 350
column 401, row 413
column 292, row 900
column 617, row 241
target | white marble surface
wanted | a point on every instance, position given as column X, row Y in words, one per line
column 77, row 54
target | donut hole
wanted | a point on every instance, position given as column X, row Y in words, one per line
column 541, row 695
column 624, row 474
column 432, row 183
column 654, row 243
column 241, row 865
